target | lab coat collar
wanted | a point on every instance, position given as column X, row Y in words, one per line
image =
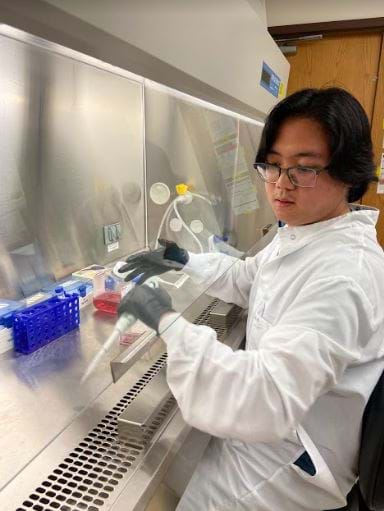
column 292, row 238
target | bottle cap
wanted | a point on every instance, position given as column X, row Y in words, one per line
column 7, row 320
column 181, row 189
column 136, row 279
column 110, row 283
column 82, row 290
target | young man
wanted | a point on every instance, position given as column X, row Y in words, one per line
column 286, row 412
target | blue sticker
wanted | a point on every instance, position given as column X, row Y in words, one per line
column 270, row 81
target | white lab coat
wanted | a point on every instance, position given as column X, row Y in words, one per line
column 314, row 352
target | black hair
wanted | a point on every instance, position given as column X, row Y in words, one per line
column 346, row 125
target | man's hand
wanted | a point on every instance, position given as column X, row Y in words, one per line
column 155, row 262
column 146, row 304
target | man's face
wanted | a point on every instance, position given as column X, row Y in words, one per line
column 302, row 142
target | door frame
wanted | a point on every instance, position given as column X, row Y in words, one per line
column 327, row 27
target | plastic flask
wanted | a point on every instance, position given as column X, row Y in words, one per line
column 109, row 298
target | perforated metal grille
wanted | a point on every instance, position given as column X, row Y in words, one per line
column 96, row 467
column 89, row 475
column 221, row 330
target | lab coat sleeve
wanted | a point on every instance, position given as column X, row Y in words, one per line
column 223, row 276
column 261, row 395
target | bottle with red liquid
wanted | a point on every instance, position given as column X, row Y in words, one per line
column 108, row 301
column 108, row 295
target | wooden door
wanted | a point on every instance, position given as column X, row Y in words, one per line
column 351, row 61
column 372, row 198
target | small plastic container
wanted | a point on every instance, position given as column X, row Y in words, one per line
column 69, row 286
column 40, row 324
column 90, row 273
column 108, row 295
column 82, row 288
column 138, row 331
column 7, row 308
column 107, row 302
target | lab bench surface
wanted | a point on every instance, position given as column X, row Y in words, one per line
column 59, row 441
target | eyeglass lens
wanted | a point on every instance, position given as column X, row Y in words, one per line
column 298, row 176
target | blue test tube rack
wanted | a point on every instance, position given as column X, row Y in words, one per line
column 40, row 324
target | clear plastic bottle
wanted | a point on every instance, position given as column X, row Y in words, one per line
column 109, row 296
column 107, row 301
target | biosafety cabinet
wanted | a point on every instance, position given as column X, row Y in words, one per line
column 98, row 163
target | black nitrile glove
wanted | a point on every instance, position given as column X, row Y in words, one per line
column 155, row 262
column 147, row 304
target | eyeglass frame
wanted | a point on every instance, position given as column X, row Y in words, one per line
column 286, row 170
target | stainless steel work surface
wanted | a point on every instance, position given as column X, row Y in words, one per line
column 40, row 393
column 85, row 461
column 51, row 425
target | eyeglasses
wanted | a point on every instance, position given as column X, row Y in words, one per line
column 304, row 177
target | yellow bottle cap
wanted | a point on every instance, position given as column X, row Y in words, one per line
column 181, row 189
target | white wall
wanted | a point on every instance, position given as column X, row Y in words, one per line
column 260, row 9
column 292, row 12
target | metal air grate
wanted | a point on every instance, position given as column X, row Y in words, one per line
column 94, row 469
column 221, row 330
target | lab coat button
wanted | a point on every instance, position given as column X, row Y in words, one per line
column 293, row 236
